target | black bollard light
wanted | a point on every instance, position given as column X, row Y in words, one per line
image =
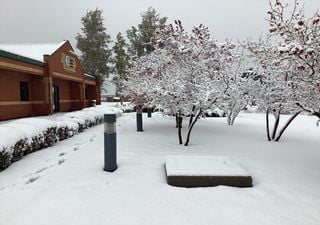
column 110, row 143
column 149, row 112
column 139, row 120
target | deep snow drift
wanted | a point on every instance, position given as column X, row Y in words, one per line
column 66, row 184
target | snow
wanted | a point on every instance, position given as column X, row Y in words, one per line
column 90, row 76
column 65, row 184
column 203, row 166
column 21, row 129
column 284, row 48
column 27, row 128
column 32, row 51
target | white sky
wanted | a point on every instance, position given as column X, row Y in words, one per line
column 43, row 21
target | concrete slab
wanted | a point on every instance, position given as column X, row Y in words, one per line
column 205, row 171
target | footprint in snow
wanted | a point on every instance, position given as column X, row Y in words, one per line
column 41, row 170
column 61, row 161
column 77, row 146
column 62, row 154
column 32, row 179
column 93, row 137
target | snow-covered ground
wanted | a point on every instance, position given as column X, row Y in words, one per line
column 65, row 184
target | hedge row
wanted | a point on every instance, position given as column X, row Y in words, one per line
column 24, row 136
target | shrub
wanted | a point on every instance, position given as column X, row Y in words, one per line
column 5, row 159
column 24, row 136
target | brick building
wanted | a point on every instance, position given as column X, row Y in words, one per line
column 40, row 79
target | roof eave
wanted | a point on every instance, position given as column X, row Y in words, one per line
column 20, row 58
column 87, row 75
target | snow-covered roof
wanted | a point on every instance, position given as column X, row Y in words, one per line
column 32, row 51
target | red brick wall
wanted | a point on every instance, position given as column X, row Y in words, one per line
column 38, row 88
column 10, row 104
column 76, row 90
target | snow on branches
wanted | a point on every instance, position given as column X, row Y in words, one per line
column 288, row 63
column 187, row 73
column 299, row 47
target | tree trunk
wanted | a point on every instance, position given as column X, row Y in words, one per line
column 179, row 129
column 275, row 127
column 317, row 114
column 234, row 116
column 267, row 123
column 286, row 125
column 179, row 121
column 190, row 128
column 229, row 113
column 191, row 116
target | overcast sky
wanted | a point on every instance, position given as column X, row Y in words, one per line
column 44, row 21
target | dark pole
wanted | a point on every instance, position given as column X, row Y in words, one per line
column 110, row 143
column 149, row 112
column 139, row 119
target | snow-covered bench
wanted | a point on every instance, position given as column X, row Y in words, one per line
column 205, row 171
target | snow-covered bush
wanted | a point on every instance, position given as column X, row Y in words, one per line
column 5, row 159
column 126, row 107
column 23, row 136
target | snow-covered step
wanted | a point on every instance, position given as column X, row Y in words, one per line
column 205, row 171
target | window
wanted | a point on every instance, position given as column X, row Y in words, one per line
column 69, row 62
column 24, row 91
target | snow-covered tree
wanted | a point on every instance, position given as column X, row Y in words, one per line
column 239, row 84
column 185, row 74
column 140, row 38
column 288, row 65
column 299, row 47
column 121, row 61
column 94, row 44
column 274, row 93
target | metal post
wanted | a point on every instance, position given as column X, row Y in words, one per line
column 110, row 143
column 149, row 112
column 139, row 120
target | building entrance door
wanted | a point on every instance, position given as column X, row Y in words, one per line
column 55, row 95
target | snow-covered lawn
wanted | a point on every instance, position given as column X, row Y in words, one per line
column 65, row 184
